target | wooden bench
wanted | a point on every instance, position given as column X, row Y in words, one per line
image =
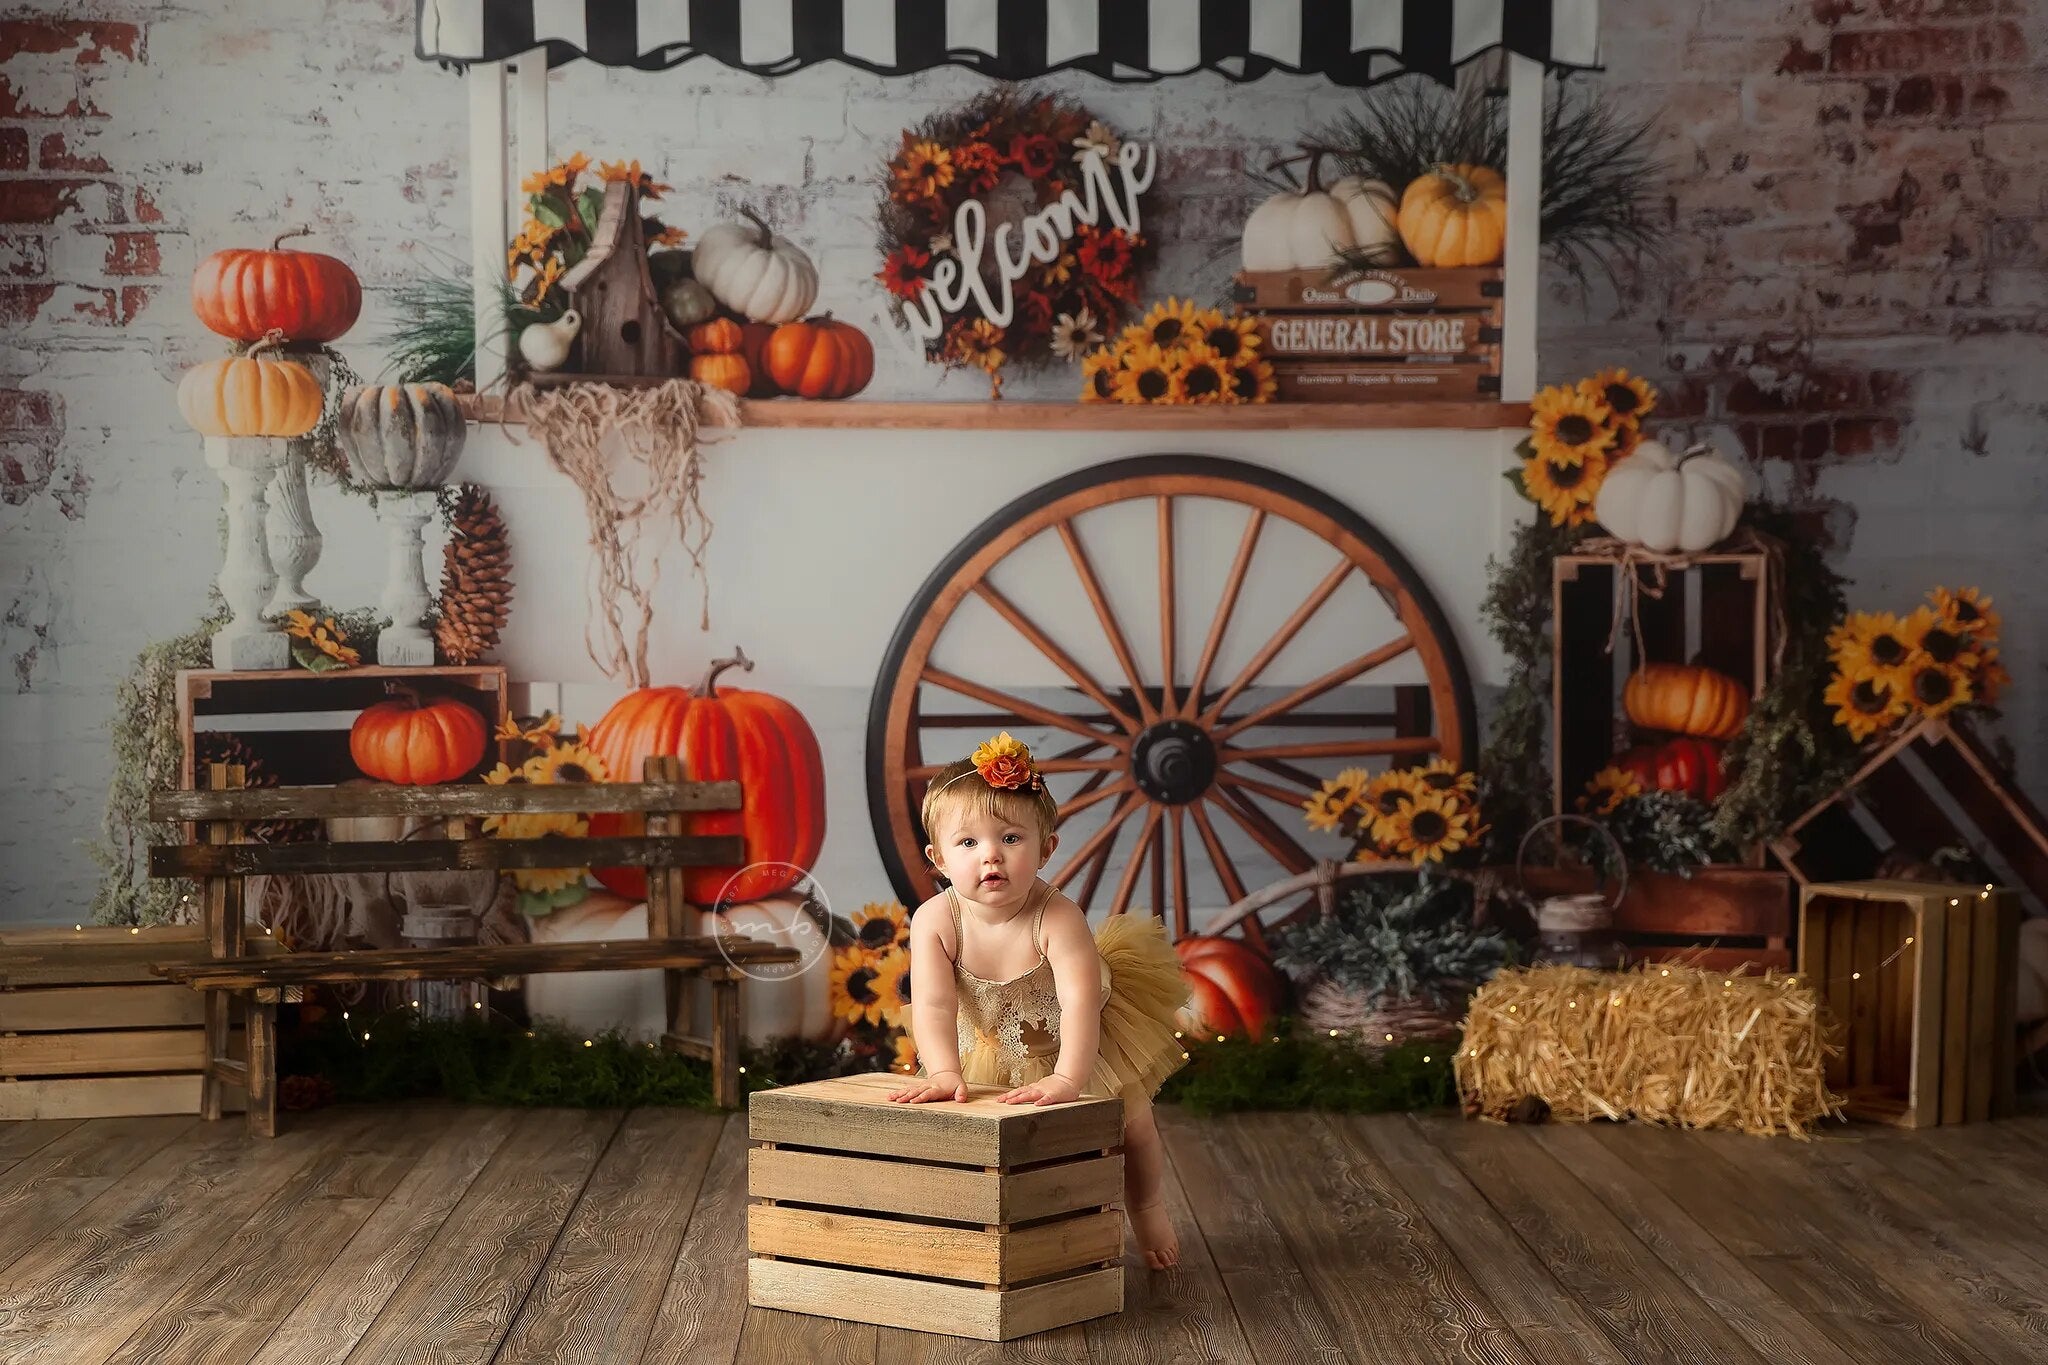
column 219, row 857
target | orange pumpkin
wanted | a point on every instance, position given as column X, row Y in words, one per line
column 246, row 295
column 1686, row 699
column 820, row 358
column 1454, row 216
column 250, row 395
column 722, row 371
column 720, row 336
column 417, row 741
column 1232, row 989
column 754, row 346
column 757, row 739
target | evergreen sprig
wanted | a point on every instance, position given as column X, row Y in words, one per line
column 1312, row 1072
column 1396, row 937
column 1660, row 831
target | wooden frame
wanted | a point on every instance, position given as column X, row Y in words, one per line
column 1919, row 979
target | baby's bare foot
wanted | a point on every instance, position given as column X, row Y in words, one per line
column 1154, row 1231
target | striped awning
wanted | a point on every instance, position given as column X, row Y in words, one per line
column 1352, row 42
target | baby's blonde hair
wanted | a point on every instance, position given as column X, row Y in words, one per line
column 961, row 784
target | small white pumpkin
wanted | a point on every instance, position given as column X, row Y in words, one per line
column 757, row 274
column 1306, row 229
column 1372, row 208
column 1665, row 502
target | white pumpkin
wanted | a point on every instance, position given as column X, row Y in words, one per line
column 1372, row 207
column 1297, row 230
column 1665, row 502
column 800, row 1005
column 755, row 273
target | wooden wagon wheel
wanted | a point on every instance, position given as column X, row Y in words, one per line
column 1162, row 751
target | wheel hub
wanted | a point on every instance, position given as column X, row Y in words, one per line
column 1174, row 762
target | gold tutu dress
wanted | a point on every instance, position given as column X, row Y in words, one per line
column 1010, row 1030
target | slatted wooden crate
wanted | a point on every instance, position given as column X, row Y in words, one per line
column 86, row 1029
column 1360, row 336
column 1920, row 980
column 1720, row 918
column 974, row 1219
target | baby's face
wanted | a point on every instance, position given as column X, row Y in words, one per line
column 987, row 858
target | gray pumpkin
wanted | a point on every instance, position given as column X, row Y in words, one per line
column 402, row 435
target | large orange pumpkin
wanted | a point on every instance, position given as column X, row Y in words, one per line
column 820, row 358
column 1686, row 699
column 246, row 295
column 1232, row 989
column 1455, row 215
column 757, row 739
column 250, row 395
column 417, row 741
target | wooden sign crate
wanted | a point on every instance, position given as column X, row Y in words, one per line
column 1920, row 980
column 88, row 1031
column 1358, row 336
column 1720, row 918
column 974, row 1219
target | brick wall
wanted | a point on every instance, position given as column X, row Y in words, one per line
column 1855, row 297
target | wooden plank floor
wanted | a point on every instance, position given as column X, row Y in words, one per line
column 429, row 1233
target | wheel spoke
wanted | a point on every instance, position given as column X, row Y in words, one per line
column 1159, row 874
column 1228, row 603
column 1096, row 867
column 1085, row 798
column 1167, row 705
column 1266, row 789
column 1336, row 748
column 1289, row 628
column 1179, row 831
column 1030, row 710
column 1307, row 692
column 1233, row 885
column 1129, row 881
column 1279, row 846
column 1096, row 840
column 1024, row 626
column 1093, row 587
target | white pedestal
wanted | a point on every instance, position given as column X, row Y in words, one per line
column 405, row 643
column 294, row 540
column 248, row 642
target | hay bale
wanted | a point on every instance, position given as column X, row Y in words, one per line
column 1663, row 1043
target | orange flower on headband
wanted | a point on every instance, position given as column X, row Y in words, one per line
column 1005, row 762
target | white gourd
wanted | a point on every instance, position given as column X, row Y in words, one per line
column 1371, row 206
column 1665, row 502
column 1296, row 231
column 757, row 274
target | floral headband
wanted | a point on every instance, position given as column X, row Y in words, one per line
column 1005, row 764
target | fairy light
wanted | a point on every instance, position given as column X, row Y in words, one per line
column 1333, row 1033
column 588, row 1043
column 1183, row 1056
column 1219, row 1037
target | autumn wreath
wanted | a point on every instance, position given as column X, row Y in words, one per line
column 1018, row 154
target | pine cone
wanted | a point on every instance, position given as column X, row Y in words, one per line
column 476, row 590
column 219, row 747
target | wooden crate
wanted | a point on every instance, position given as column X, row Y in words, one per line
column 1919, row 979
column 298, row 720
column 974, row 1219
column 1344, row 290
column 1364, row 336
column 1720, row 917
column 1931, row 787
column 88, row 1031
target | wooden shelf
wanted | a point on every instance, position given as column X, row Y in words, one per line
column 855, row 414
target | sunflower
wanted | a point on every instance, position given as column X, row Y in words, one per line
column 978, row 343
column 1564, row 486
column 1608, row 789
column 1935, row 689
column 1568, row 426
column 1429, row 826
column 1392, row 791
column 1442, row 775
column 881, row 925
column 1252, row 379
column 567, row 763
column 1099, row 371
column 547, row 879
column 1990, row 679
column 1968, row 610
column 1865, row 704
column 1337, row 795
column 906, row 1053
column 1170, row 325
column 892, row 983
column 1938, row 639
column 1149, row 376
column 1868, row 642
column 1205, row 376
column 1234, row 339
column 921, row 169
column 1629, row 397
column 856, row 986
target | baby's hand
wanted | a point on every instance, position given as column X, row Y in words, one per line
column 1054, row 1089
column 928, row 1089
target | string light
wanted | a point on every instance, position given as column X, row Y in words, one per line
column 1219, row 1037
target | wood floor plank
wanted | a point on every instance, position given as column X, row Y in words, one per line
column 458, row 1300
column 1282, row 1321
column 1982, row 1180
column 337, row 1308
column 1950, row 1271
column 597, row 1296
column 704, row 1306
column 76, row 1296
column 1644, row 1307
column 1180, row 1314
column 1728, row 1285
column 1380, row 1271
column 26, row 1137
column 1773, row 1229
column 1552, row 1325
column 40, row 1192
column 223, row 1315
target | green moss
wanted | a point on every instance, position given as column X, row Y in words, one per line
column 1312, row 1072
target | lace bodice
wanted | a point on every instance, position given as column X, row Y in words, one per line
column 1020, row 1017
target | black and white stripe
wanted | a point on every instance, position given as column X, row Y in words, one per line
column 1352, row 42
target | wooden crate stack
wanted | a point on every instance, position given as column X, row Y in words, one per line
column 1920, row 980
column 1385, row 335
column 88, row 1031
column 975, row 1219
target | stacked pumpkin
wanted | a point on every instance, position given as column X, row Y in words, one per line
column 1451, row 215
column 1695, row 710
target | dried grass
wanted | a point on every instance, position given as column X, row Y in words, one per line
column 1662, row 1043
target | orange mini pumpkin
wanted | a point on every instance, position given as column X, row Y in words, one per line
column 820, row 358
column 250, row 395
column 417, row 741
column 1455, row 216
column 1686, row 699
column 722, row 371
column 720, row 336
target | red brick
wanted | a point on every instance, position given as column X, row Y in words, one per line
column 1864, row 435
column 146, row 210
column 56, row 155
column 90, row 42
column 133, row 253
column 1901, row 49
column 1744, row 397
column 2002, row 44
column 1800, row 60
column 13, row 149
column 95, row 307
column 1890, row 388
column 20, row 303
column 135, row 298
column 26, row 410
column 37, row 201
column 24, row 258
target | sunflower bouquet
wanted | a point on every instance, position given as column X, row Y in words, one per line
column 1577, row 432
column 318, row 644
column 1890, row 669
column 563, row 209
column 870, row 986
column 1179, row 353
column 1422, row 814
column 546, row 757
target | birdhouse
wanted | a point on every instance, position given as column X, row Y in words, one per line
column 624, row 331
